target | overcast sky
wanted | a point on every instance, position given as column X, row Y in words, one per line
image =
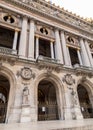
column 80, row 7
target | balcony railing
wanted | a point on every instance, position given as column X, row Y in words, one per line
column 47, row 59
column 9, row 51
column 83, row 67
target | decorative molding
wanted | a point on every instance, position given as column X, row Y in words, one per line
column 49, row 67
column 83, row 79
column 10, row 60
column 68, row 79
column 82, row 71
column 74, row 96
column 59, row 15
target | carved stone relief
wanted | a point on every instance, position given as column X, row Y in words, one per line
column 9, row 18
column 49, row 68
column 72, row 40
column 68, row 79
column 26, row 73
column 11, row 61
column 25, row 96
column 44, row 30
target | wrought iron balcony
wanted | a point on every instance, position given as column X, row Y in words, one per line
column 9, row 51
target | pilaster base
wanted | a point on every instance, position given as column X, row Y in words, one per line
column 26, row 113
column 78, row 113
column 68, row 114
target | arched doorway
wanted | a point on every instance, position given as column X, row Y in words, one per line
column 85, row 103
column 4, row 94
column 47, row 101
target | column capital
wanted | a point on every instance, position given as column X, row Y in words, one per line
column 32, row 20
column 51, row 40
column 57, row 29
column 81, row 38
column 25, row 17
column 17, row 29
column 86, row 40
column 62, row 31
column 37, row 36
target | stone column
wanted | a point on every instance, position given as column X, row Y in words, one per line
column 31, row 40
column 79, row 56
column 69, row 59
column 89, row 53
column 23, row 38
column 52, row 49
column 84, row 54
column 15, row 39
column 58, row 49
column 37, row 46
column 63, row 42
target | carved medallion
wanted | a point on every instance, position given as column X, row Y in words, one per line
column 68, row 79
column 26, row 73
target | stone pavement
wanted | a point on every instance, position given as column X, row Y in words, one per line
column 86, row 124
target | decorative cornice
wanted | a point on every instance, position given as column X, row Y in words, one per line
column 49, row 67
column 68, row 17
column 82, row 71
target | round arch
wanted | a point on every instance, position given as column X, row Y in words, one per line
column 87, row 84
column 59, row 91
column 85, row 95
column 9, row 75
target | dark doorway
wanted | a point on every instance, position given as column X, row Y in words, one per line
column 4, row 95
column 47, row 102
column 85, row 104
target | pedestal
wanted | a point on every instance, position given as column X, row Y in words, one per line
column 25, row 113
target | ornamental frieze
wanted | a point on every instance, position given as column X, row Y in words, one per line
column 68, row 79
column 5, row 59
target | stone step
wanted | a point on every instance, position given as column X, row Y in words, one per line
column 90, row 127
column 86, row 124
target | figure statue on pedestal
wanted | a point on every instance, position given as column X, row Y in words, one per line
column 25, row 96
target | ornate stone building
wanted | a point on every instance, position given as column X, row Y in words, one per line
column 46, row 63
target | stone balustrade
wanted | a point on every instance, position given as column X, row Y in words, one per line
column 4, row 50
column 47, row 59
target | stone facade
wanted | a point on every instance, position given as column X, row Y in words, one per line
column 46, row 56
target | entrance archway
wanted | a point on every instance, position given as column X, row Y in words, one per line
column 47, row 101
column 85, row 103
column 4, row 94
